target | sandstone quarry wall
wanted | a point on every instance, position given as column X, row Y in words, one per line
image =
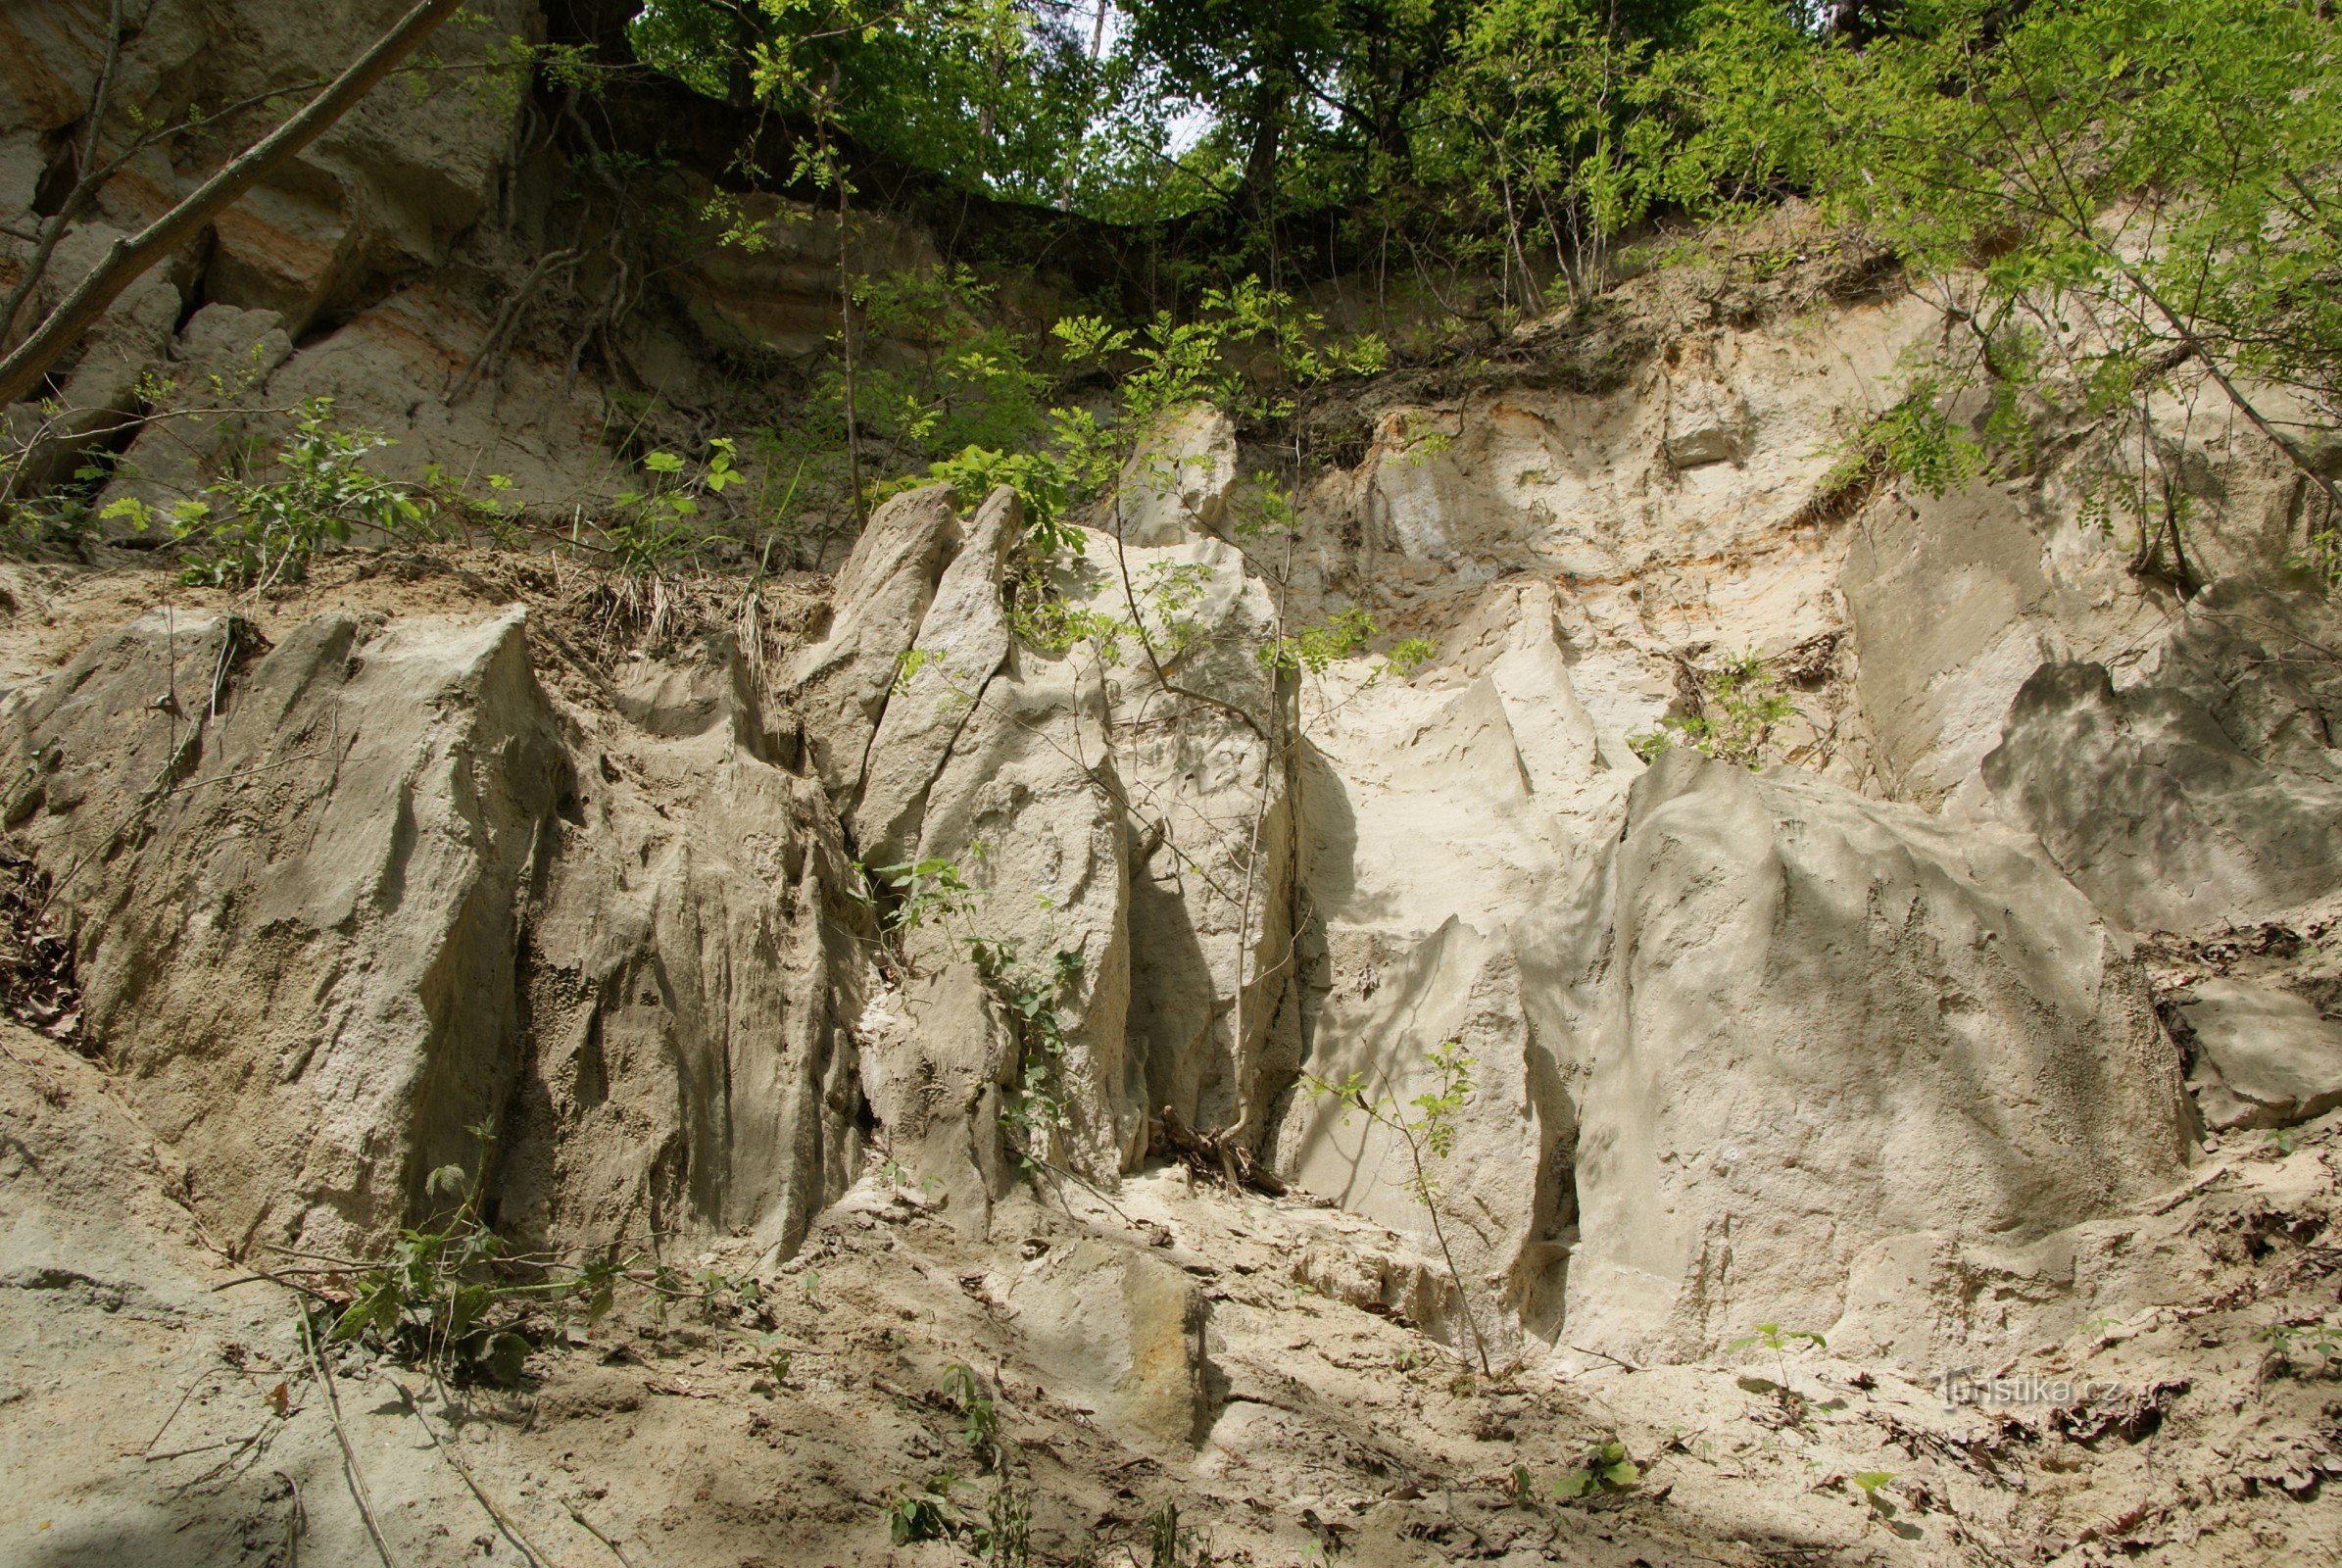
column 1821, row 1043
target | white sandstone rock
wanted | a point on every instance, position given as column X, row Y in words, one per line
column 878, row 600
column 1119, row 1331
column 1177, row 483
column 2205, row 793
column 2264, row 1059
column 1816, row 1022
column 962, row 639
column 296, row 920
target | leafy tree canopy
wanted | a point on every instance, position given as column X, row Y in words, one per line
column 2108, row 195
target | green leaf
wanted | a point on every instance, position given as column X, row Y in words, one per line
column 354, row 1320
column 466, row 1306
column 505, row 1358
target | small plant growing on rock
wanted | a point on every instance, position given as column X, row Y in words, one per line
column 924, row 1512
column 1172, row 1545
column 255, row 532
column 1605, row 1471
column 1317, row 646
column 2301, row 1348
column 1036, row 1111
column 2096, row 1325
column 1913, row 441
column 1881, row 1508
column 657, row 521
column 1780, row 1340
column 777, row 1358
column 908, row 666
column 1743, row 701
column 1159, row 368
column 923, row 890
column 904, row 897
column 982, row 1422
column 927, row 1513
column 655, row 529
column 1005, row 1538
column 1425, row 1127
column 436, row 1298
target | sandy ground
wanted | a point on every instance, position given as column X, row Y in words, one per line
column 157, row 1403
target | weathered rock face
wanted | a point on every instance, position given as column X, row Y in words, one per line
column 879, row 601
column 938, row 1059
column 780, row 296
column 1824, row 1046
column 219, row 362
column 99, row 392
column 295, row 880
column 1720, row 1064
column 1120, row 1332
column 944, row 745
column 379, row 194
column 945, row 671
column 1196, row 726
column 2205, row 791
column 1028, row 802
column 994, row 763
column 445, row 276
column 694, row 971
column 1816, row 1022
column 1583, row 559
column 341, row 900
column 1582, row 487
column 1505, row 1197
column 1707, row 415
column 1179, row 480
column 2264, row 1059
column 328, row 281
column 1445, row 818
column 1954, row 601
column 1118, row 804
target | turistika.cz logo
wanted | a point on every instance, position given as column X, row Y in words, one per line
column 1966, row 1385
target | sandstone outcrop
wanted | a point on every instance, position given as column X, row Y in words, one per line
column 1178, row 481
column 2203, row 792
column 293, row 876
column 2263, row 1058
column 217, row 364
column 1816, row 1022
column 938, row 685
column 1798, row 1046
column 365, row 904
column 878, row 601
column 380, row 194
column 938, row 1059
column 1120, row 1332
column 694, row 970
column 1203, row 763
column 947, row 982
